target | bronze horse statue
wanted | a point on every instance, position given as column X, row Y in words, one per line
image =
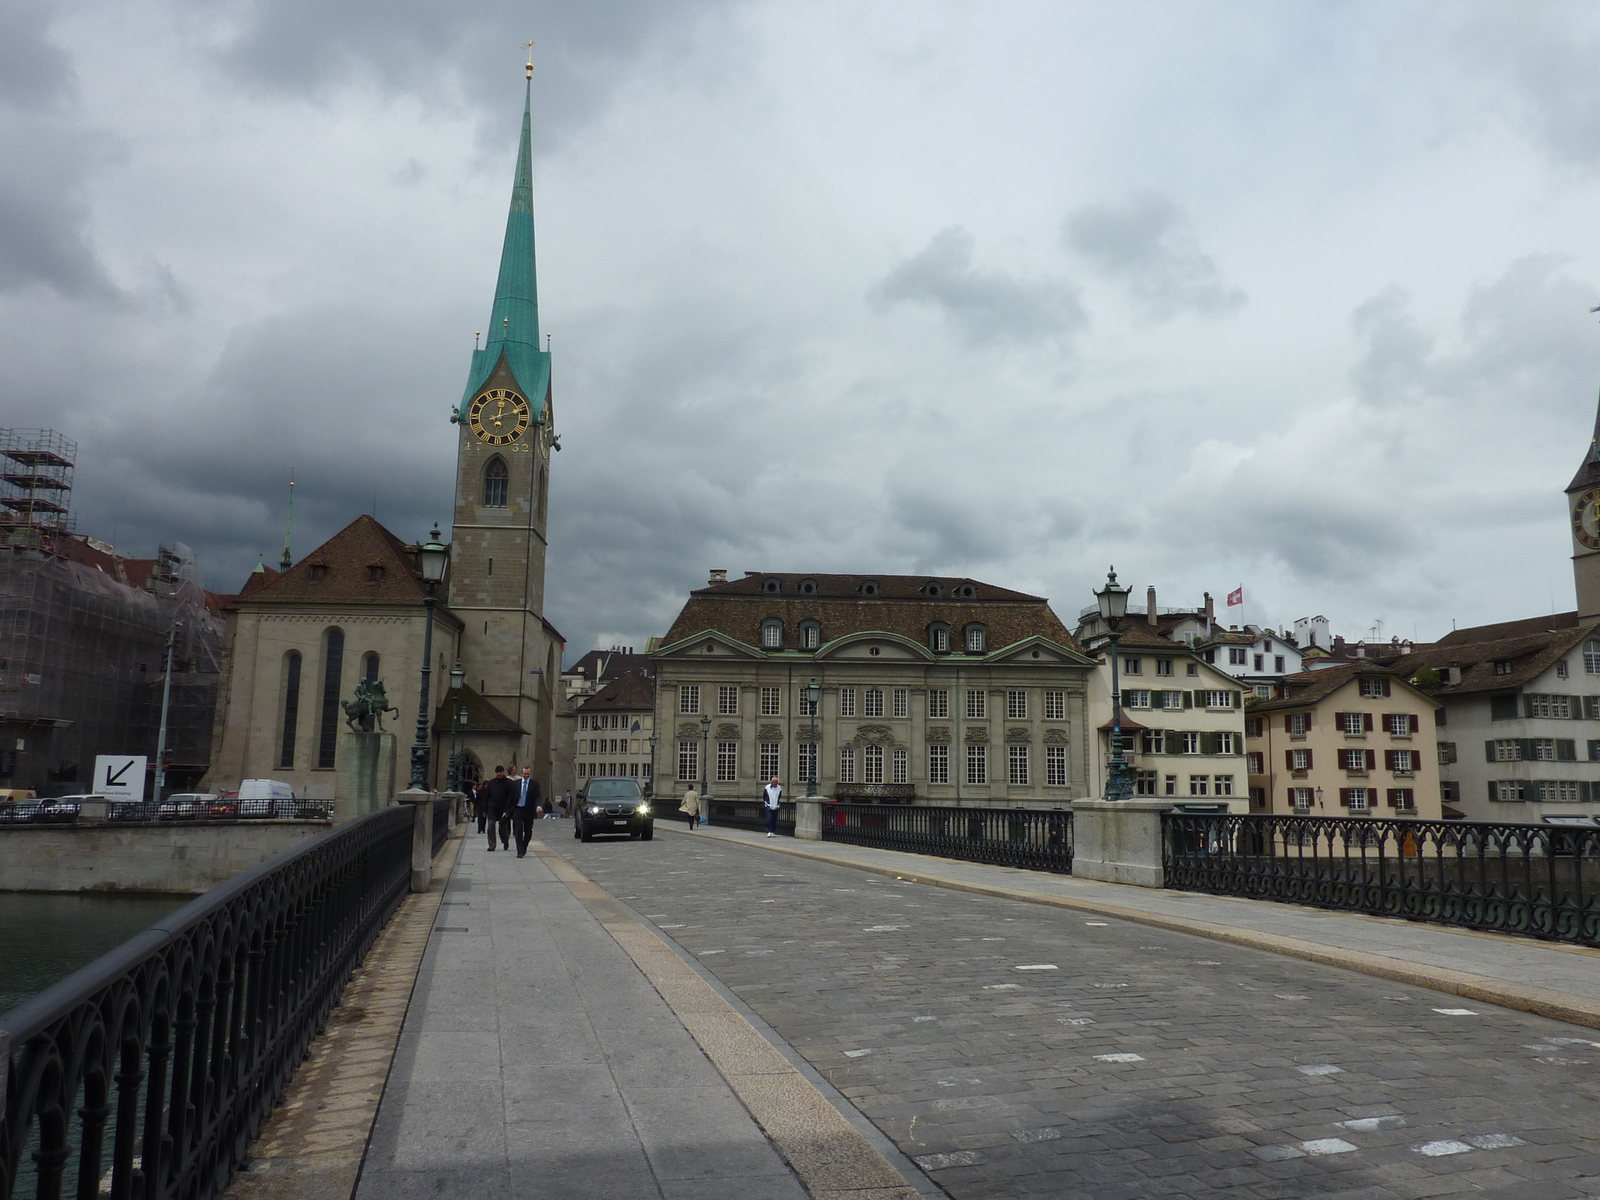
column 368, row 707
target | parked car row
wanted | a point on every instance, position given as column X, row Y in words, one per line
column 180, row 806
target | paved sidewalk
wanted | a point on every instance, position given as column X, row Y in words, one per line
column 1520, row 973
column 537, row 1060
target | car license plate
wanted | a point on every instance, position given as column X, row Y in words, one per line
column 619, row 822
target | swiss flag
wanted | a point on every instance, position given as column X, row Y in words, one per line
column 1236, row 596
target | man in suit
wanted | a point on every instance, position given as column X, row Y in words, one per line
column 525, row 808
column 494, row 799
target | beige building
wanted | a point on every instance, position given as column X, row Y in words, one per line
column 615, row 732
column 1182, row 722
column 933, row 690
column 1354, row 740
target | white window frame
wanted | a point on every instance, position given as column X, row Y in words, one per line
column 977, row 704
column 1225, row 743
column 1132, row 666
column 1364, row 803
column 805, row 762
column 688, row 697
column 1136, row 698
column 939, row 762
column 847, row 702
column 1299, row 724
column 1354, row 724
column 727, row 700
column 977, row 639
column 902, row 702
column 727, row 762
column 688, row 761
column 1055, row 705
column 1191, row 743
column 847, row 764
column 873, row 705
column 1222, row 785
column 1163, row 666
column 1017, row 704
column 1017, row 764
column 771, row 635
column 900, row 766
column 771, row 704
column 939, row 702
column 977, row 764
column 872, row 764
column 1055, row 767
column 1199, row 785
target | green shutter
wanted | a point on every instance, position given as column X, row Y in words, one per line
column 1594, row 749
column 1488, row 751
column 1525, row 749
column 1174, row 742
column 1566, row 750
column 1188, row 699
column 1527, row 706
column 1209, row 743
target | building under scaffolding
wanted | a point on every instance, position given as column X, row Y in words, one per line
column 83, row 636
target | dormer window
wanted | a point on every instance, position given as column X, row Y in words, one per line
column 810, row 635
column 967, row 592
column 771, row 586
column 939, row 637
column 319, row 572
column 869, row 587
column 932, row 588
column 977, row 639
column 808, row 587
column 374, row 572
column 1502, row 666
column 772, row 634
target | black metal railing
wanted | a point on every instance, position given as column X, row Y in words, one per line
column 441, row 824
column 1034, row 839
column 1538, row 881
column 147, row 1073
column 147, row 812
column 742, row 814
column 875, row 793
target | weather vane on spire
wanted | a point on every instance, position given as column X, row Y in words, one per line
column 529, row 46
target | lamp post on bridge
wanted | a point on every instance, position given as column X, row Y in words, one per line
column 458, row 677
column 1113, row 601
column 705, row 753
column 432, row 556
column 813, row 702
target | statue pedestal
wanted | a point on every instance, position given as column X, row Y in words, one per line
column 365, row 781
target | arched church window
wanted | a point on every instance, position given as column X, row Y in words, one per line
column 369, row 668
column 1591, row 657
column 332, row 671
column 291, row 708
column 496, row 480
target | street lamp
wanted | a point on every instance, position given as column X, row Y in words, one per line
column 813, row 698
column 652, row 779
column 457, row 717
column 1113, row 601
column 705, row 756
column 432, row 556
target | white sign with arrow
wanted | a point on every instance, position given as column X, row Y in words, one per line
column 119, row 776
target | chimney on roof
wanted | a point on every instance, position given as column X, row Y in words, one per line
column 1211, row 614
column 1150, row 606
column 719, row 575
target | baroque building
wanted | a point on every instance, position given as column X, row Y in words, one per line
column 932, row 690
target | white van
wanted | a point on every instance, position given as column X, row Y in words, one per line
column 266, row 798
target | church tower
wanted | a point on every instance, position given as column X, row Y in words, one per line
column 1583, row 506
column 509, row 652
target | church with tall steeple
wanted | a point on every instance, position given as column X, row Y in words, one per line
column 356, row 608
column 1583, row 506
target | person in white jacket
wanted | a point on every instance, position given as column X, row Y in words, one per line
column 770, row 795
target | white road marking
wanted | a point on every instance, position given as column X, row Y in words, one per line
column 856, row 1053
column 1494, row 1141
column 1281, row 996
column 1035, row 1135
column 1277, row 1153
column 1076, row 1020
column 1456, row 1012
column 672, row 927
column 882, row 928
column 938, row 1162
column 703, row 953
column 1110, row 985
column 1002, row 987
column 1321, row 1069
column 1101, row 924
column 1327, row 1146
column 1371, row 1124
column 1037, row 967
column 924, row 1018
column 1120, row 1058
column 1440, row 1149
column 1206, row 962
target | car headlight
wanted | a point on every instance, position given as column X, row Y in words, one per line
column 642, row 811
column 593, row 810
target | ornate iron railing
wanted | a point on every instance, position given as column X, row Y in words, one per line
column 1539, row 881
column 147, row 1073
column 875, row 793
column 145, row 812
column 740, row 814
column 1034, row 839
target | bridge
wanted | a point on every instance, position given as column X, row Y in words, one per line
column 719, row 1014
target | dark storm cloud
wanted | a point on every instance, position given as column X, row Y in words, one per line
column 984, row 304
column 45, row 154
column 1148, row 245
column 583, row 50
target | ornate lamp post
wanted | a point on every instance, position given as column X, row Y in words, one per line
column 432, row 556
column 457, row 717
column 705, row 752
column 1113, row 601
column 652, row 780
column 813, row 701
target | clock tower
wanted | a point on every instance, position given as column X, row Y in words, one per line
column 1583, row 510
column 510, row 654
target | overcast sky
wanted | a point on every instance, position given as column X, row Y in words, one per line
column 1293, row 296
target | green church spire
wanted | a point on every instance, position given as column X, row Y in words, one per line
column 514, row 323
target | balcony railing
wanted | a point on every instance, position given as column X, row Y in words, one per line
column 149, row 1072
column 742, row 814
column 1033, row 839
column 1537, row 881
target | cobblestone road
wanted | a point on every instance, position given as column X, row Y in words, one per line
column 1017, row 1050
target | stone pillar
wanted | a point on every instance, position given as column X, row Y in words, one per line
column 365, row 778
column 421, row 802
column 808, row 818
column 1119, row 841
column 457, row 810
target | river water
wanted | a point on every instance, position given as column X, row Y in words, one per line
column 46, row 937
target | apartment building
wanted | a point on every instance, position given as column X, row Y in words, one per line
column 1354, row 740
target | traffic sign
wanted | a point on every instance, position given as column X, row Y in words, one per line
column 120, row 776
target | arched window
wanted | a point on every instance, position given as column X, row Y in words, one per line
column 939, row 637
column 869, row 587
column 808, row 587
column 369, row 668
column 291, row 708
column 332, row 671
column 496, row 479
column 967, row 592
column 772, row 634
column 810, row 635
column 1591, row 657
column 977, row 639
column 932, row 588
column 772, row 585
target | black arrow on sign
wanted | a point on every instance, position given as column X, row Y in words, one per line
column 117, row 777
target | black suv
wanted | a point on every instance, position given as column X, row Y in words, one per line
column 613, row 806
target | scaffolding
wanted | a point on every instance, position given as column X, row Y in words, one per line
column 36, row 480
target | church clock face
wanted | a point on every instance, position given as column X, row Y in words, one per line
column 1586, row 519
column 499, row 416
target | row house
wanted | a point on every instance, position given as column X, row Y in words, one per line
column 1354, row 740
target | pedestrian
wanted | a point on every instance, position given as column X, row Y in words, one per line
column 770, row 795
column 690, row 808
column 494, row 800
column 525, row 809
column 566, row 803
column 480, row 807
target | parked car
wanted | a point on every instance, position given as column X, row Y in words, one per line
column 185, row 806
column 613, row 806
column 63, row 808
column 267, row 798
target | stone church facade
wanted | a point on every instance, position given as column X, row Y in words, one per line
column 355, row 607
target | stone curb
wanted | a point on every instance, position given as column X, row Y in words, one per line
column 1544, row 1002
column 833, row 1160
